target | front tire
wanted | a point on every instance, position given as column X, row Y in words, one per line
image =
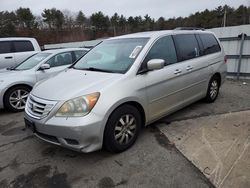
column 15, row 98
column 122, row 129
column 213, row 89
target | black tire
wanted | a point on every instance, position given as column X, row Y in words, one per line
column 116, row 145
column 213, row 89
column 10, row 93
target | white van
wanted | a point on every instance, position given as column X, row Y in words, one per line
column 15, row 50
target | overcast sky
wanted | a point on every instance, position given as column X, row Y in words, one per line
column 155, row 8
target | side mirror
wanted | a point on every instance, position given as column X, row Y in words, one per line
column 155, row 64
column 44, row 66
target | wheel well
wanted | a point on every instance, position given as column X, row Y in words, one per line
column 17, row 86
column 139, row 107
column 218, row 76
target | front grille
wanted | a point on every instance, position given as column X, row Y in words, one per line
column 38, row 108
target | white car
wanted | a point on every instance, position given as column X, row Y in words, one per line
column 15, row 50
column 17, row 82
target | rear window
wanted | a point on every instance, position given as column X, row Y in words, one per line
column 187, row 46
column 23, row 46
column 5, row 47
column 210, row 44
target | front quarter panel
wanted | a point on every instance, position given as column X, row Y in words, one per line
column 127, row 89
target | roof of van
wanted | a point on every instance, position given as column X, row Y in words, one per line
column 155, row 34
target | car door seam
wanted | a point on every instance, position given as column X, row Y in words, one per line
column 154, row 100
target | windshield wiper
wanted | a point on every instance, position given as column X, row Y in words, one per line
column 96, row 69
column 11, row 68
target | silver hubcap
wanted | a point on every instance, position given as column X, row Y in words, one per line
column 125, row 129
column 18, row 99
column 213, row 89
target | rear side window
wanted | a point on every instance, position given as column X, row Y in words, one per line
column 210, row 44
column 5, row 47
column 61, row 59
column 23, row 46
column 187, row 46
column 163, row 49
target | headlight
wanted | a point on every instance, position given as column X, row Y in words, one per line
column 79, row 106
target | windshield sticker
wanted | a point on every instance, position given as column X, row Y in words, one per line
column 135, row 52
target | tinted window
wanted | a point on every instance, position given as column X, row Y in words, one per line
column 5, row 47
column 79, row 53
column 60, row 59
column 210, row 44
column 201, row 51
column 23, row 46
column 163, row 49
column 187, row 46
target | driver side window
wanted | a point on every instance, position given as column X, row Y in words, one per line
column 162, row 49
column 60, row 59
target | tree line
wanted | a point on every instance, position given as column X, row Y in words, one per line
column 54, row 25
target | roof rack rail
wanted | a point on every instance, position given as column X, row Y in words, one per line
column 189, row 28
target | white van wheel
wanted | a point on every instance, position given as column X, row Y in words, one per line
column 213, row 89
column 122, row 129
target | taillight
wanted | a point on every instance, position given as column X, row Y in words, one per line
column 225, row 59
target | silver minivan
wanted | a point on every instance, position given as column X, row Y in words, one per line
column 123, row 84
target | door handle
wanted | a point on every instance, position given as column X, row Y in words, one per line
column 189, row 68
column 177, row 71
column 8, row 57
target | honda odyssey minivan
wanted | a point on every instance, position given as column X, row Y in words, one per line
column 123, row 84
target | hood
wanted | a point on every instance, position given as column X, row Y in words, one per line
column 73, row 83
column 5, row 74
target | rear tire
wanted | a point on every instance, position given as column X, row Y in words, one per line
column 122, row 129
column 213, row 89
column 15, row 98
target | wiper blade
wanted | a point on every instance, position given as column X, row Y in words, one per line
column 96, row 69
column 10, row 68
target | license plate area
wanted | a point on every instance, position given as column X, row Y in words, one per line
column 30, row 125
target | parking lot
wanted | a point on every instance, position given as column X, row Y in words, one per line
column 153, row 161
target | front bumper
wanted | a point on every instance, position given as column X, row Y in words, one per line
column 83, row 134
column 1, row 97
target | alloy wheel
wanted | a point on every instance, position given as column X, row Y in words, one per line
column 125, row 129
column 214, row 89
column 18, row 99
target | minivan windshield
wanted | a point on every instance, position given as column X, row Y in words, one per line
column 115, row 55
column 32, row 61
